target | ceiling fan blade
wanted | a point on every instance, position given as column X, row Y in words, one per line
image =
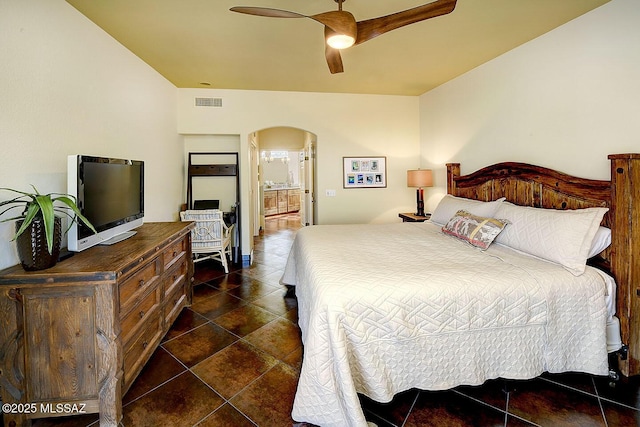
column 265, row 11
column 371, row 28
column 334, row 60
column 339, row 21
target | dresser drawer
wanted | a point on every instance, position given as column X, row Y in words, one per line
column 138, row 351
column 133, row 288
column 174, row 277
column 172, row 253
column 174, row 303
column 139, row 316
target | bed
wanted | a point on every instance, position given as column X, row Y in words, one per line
column 389, row 307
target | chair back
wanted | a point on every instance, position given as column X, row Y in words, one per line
column 210, row 229
column 206, row 204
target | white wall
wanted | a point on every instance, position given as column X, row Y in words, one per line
column 345, row 125
column 68, row 88
column 282, row 138
column 564, row 100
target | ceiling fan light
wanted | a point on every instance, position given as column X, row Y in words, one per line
column 340, row 41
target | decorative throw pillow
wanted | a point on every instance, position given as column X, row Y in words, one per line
column 477, row 230
column 449, row 205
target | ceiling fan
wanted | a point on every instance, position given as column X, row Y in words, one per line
column 341, row 30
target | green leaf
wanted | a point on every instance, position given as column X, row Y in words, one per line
column 32, row 211
column 15, row 217
column 19, row 192
column 16, row 200
column 46, row 206
column 71, row 205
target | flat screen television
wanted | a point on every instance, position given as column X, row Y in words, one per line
column 110, row 193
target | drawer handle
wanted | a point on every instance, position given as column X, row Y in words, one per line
column 141, row 314
column 145, row 344
column 141, row 283
column 174, row 277
column 175, row 253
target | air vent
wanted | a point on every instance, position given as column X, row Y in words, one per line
column 208, row 102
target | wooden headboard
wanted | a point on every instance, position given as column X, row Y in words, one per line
column 529, row 185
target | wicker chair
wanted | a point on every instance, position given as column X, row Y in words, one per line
column 211, row 238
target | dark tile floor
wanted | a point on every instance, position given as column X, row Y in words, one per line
column 232, row 359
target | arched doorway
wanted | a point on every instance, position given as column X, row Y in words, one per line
column 283, row 158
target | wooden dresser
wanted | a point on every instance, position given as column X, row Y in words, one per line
column 74, row 337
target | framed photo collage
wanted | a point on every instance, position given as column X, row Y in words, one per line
column 365, row 172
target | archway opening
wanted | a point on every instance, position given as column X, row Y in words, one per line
column 283, row 174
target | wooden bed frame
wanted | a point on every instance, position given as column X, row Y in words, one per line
column 529, row 185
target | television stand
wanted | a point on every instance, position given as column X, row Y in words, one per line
column 118, row 238
column 74, row 337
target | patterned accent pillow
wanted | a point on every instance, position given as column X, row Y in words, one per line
column 477, row 230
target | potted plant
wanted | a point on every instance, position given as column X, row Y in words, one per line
column 38, row 228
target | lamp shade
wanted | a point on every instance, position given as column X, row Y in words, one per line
column 419, row 178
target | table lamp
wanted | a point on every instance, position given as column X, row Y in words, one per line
column 419, row 178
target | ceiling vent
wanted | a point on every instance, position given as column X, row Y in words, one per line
column 208, row 102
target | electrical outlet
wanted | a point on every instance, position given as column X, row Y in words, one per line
column 331, row 193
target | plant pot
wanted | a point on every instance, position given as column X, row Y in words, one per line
column 32, row 245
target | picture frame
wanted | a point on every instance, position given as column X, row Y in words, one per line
column 364, row 172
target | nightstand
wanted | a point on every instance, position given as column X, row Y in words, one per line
column 411, row 217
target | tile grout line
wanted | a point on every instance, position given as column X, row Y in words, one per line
column 164, row 382
column 604, row 416
column 493, row 407
column 224, row 399
column 506, row 412
column 413, row 405
column 190, row 330
column 596, row 395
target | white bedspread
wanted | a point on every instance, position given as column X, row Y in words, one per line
column 387, row 308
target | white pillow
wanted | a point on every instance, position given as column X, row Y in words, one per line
column 449, row 205
column 601, row 241
column 560, row 236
